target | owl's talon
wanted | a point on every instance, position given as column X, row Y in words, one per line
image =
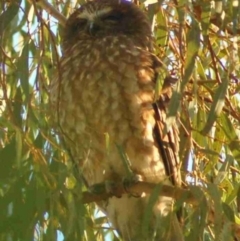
column 110, row 187
column 128, row 182
column 98, row 188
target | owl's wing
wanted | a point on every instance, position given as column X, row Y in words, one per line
column 168, row 141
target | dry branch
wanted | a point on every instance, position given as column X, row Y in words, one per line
column 52, row 11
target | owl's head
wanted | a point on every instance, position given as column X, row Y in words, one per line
column 101, row 18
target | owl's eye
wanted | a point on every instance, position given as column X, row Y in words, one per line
column 112, row 17
column 81, row 22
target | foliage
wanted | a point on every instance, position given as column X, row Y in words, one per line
column 40, row 193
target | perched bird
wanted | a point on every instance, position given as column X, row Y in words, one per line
column 104, row 99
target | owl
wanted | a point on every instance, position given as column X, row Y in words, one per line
column 105, row 104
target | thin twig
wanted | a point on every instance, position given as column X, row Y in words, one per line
column 52, row 11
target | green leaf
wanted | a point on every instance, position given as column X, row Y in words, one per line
column 228, row 212
column 231, row 135
column 125, row 160
column 205, row 17
column 148, row 212
column 17, row 108
column 216, row 198
column 216, row 107
column 19, row 145
column 161, row 34
column 193, row 40
column 7, row 16
column 23, row 67
column 199, row 215
column 198, row 123
column 233, row 195
column 7, row 159
column 235, row 15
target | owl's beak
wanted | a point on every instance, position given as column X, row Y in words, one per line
column 90, row 25
column 93, row 27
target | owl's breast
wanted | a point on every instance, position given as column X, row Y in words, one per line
column 105, row 102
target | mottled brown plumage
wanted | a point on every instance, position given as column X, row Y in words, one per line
column 106, row 88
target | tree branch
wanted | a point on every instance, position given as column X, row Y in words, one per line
column 100, row 193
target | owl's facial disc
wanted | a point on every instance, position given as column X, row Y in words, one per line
column 90, row 15
column 94, row 20
column 99, row 19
